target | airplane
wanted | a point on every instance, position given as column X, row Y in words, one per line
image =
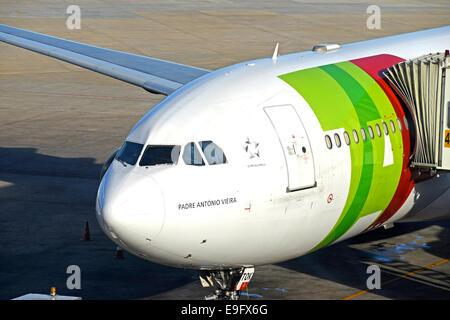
column 267, row 160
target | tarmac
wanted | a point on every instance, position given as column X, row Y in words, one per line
column 59, row 123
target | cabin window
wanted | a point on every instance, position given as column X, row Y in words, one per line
column 192, row 156
column 337, row 139
column 355, row 136
column 328, row 142
column 346, row 138
column 213, row 153
column 369, row 128
column 385, row 127
column 392, row 126
column 129, row 152
column 405, row 121
column 399, row 124
column 363, row 134
column 160, row 154
column 378, row 129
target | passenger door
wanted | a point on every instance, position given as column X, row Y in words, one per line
column 295, row 144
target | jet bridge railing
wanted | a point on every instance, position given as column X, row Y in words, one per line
column 424, row 87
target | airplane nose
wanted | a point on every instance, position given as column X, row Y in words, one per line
column 130, row 209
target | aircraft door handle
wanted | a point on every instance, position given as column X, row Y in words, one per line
column 291, row 150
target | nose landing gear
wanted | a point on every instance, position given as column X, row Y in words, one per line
column 227, row 283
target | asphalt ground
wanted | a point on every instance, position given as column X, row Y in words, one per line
column 59, row 123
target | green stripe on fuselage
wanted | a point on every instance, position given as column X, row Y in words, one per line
column 366, row 112
column 385, row 179
column 333, row 111
column 344, row 96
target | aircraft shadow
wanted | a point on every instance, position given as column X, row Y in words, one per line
column 344, row 264
column 44, row 203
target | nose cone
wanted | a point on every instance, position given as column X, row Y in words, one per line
column 130, row 209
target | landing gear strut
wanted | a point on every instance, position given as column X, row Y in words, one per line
column 227, row 283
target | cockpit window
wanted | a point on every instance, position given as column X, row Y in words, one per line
column 129, row 153
column 192, row 156
column 213, row 153
column 154, row 155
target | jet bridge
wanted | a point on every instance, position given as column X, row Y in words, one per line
column 423, row 84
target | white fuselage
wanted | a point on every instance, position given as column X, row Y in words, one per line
column 249, row 210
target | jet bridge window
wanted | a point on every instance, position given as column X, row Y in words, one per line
column 213, row 153
column 192, row 156
column 160, row 154
column 129, row 153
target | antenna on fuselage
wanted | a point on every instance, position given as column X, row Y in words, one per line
column 275, row 54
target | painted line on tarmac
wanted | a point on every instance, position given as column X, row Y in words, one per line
column 398, row 278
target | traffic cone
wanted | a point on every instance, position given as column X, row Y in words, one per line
column 86, row 235
column 119, row 253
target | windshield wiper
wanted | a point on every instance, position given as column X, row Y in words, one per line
column 122, row 162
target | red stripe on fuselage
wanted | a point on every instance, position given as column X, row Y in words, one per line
column 374, row 66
